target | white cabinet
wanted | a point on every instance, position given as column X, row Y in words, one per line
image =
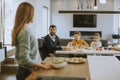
column 104, row 67
column 2, row 56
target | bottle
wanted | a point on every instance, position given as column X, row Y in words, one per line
column 69, row 46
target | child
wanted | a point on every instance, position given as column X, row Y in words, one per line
column 78, row 41
column 96, row 43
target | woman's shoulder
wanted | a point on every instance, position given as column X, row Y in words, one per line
column 24, row 32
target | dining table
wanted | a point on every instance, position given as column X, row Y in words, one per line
column 88, row 52
column 71, row 71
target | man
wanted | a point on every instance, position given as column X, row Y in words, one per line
column 51, row 42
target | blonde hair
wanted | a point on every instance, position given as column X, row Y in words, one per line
column 77, row 32
column 97, row 34
column 24, row 15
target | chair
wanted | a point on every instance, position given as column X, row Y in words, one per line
column 116, row 36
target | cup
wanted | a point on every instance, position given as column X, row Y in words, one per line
column 109, row 48
column 105, row 48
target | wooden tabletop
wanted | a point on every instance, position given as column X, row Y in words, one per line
column 70, row 70
column 99, row 68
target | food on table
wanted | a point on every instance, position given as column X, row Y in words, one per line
column 59, row 62
column 76, row 60
column 98, row 49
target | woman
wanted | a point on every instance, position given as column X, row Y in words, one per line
column 27, row 53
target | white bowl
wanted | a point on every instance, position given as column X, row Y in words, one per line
column 59, row 65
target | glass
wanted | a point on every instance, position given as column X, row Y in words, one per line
column 105, row 48
column 69, row 46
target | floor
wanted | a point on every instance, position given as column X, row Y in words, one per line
column 8, row 69
column 7, row 75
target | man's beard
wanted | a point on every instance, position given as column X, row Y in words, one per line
column 52, row 33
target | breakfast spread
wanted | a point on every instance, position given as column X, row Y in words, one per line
column 59, row 60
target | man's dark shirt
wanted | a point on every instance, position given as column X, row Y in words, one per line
column 50, row 46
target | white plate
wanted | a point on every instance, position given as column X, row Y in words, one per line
column 76, row 60
column 61, row 65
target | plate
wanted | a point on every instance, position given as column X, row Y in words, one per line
column 76, row 60
column 61, row 65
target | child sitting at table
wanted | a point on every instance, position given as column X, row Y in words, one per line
column 78, row 41
column 96, row 43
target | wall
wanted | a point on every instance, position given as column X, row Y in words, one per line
column 64, row 22
column 38, row 17
column 9, row 14
column 36, row 27
column 37, row 24
column 116, row 17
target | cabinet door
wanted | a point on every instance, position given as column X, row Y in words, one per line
column 2, row 54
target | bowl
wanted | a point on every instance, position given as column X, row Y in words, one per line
column 59, row 65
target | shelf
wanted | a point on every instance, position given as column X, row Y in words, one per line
column 89, row 12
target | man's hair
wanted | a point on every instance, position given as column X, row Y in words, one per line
column 52, row 26
column 77, row 32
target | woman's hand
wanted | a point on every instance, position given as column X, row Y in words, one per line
column 47, row 65
column 43, row 65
